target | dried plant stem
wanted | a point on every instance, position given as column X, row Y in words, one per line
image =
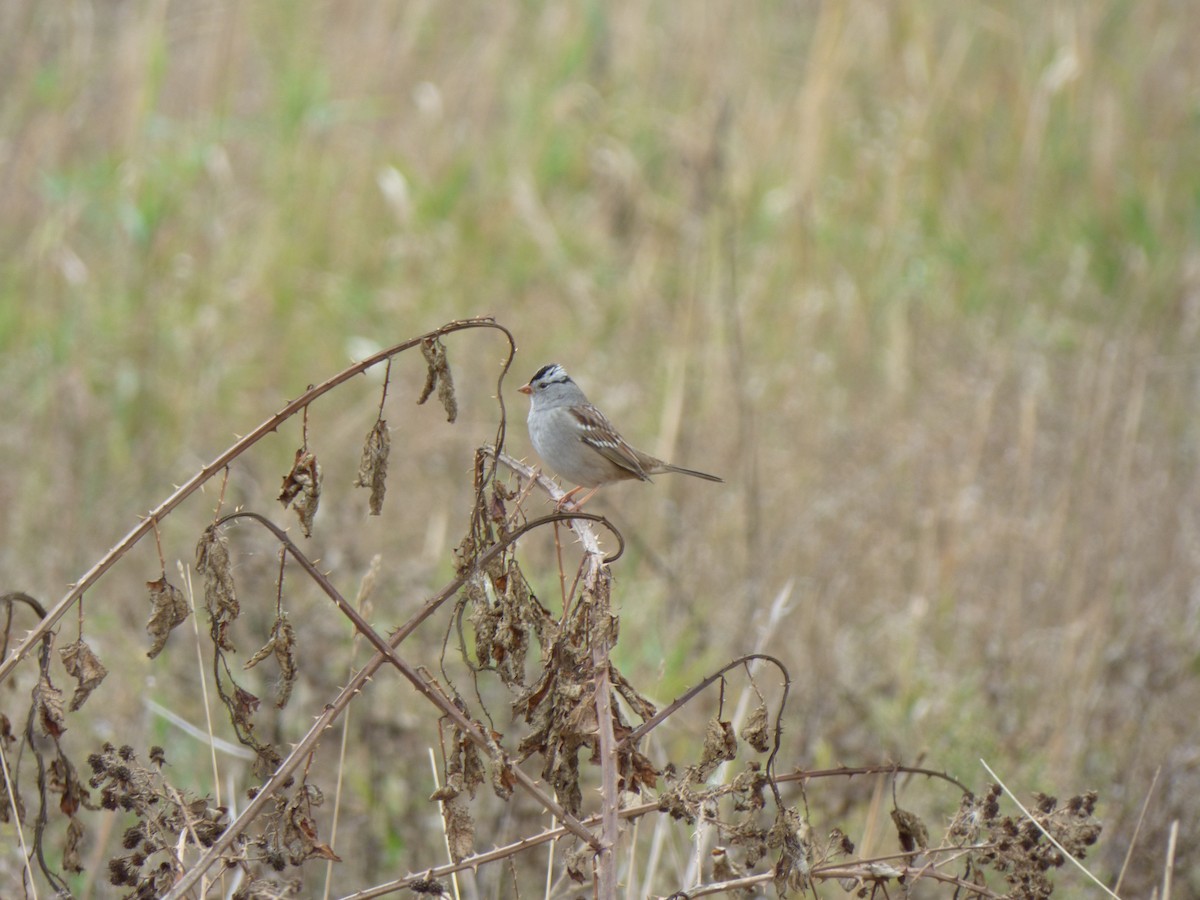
column 1169, row 865
column 437, row 784
column 606, row 884
column 1136, row 831
column 385, row 653
column 11, row 792
column 193, row 484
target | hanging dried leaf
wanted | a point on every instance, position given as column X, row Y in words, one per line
column 755, row 731
column 438, row 375
column 168, row 609
column 85, row 667
column 71, row 861
column 460, row 828
column 791, row 835
column 911, row 830
column 212, row 559
column 579, row 863
column 48, row 700
column 302, row 488
column 281, row 644
column 372, row 467
column 245, row 705
column 720, row 745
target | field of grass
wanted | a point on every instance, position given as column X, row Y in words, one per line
column 920, row 280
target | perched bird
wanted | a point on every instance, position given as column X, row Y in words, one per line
column 578, row 442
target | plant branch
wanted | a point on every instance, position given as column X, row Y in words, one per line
column 200, row 478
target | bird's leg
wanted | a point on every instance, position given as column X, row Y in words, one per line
column 566, row 498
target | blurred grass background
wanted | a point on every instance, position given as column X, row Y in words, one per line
column 921, row 280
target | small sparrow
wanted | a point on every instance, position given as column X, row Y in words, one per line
column 578, row 442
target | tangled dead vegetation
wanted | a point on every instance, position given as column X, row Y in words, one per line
column 577, row 749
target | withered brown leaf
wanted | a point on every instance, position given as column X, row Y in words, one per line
column 373, row 466
column 720, row 745
column 282, row 644
column 755, row 731
column 71, row 861
column 168, row 609
column 911, row 830
column 579, row 863
column 302, row 488
column 460, row 828
column 220, row 597
column 245, row 705
column 85, row 667
column 49, row 703
column 438, row 375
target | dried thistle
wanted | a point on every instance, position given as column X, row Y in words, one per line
column 169, row 608
column 438, row 375
column 372, row 467
column 85, row 667
column 302, row 488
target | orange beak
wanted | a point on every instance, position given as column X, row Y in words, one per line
column 525, row 389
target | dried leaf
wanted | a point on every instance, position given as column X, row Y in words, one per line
column 911, row 830
column 282, row 644
column 70, row 859
column 85, row 667
column 267, row 889
column 220, row 597
column 460, row 828
column 755, row 731
column 245, row 704
column 302, row 488
column 579, row 863
column 372, row 467
column 720, row 745
column 48, row 701
column 168, row 609
column 438, row 375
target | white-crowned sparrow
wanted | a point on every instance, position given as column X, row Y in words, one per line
column 578, row 442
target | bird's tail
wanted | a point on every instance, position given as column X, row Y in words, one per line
column 682, row 471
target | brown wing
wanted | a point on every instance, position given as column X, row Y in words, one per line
column 599, row 434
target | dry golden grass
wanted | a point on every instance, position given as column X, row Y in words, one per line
column 924, row 278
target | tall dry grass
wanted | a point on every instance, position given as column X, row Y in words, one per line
column 920, row 280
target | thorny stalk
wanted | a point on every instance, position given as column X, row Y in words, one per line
column 385, row 652
column 193, row 484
